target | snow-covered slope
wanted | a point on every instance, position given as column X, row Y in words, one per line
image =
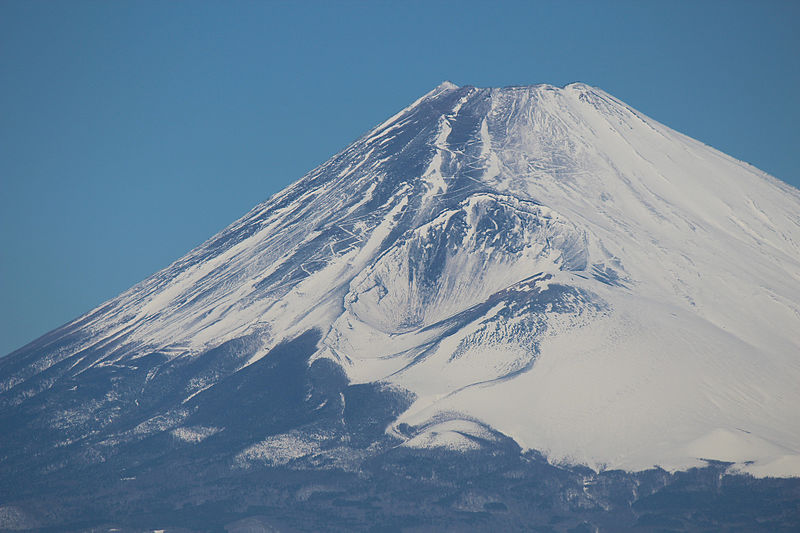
column 545, row 262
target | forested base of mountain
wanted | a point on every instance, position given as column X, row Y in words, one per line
column 415, row 490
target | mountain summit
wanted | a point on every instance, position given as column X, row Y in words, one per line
column 538, row 267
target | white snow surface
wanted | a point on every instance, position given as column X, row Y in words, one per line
column 545, row 261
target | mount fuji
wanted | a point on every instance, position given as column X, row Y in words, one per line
column 496, row 296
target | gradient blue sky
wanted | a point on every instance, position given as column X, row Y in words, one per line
column 132, row 131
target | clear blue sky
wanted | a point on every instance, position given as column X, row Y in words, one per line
column 132, row 131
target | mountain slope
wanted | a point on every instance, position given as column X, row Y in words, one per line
column 540, row 263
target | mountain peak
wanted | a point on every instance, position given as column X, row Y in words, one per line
column 447, row 86
column 535, row 264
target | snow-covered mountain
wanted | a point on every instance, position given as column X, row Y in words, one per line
column 536, row 263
